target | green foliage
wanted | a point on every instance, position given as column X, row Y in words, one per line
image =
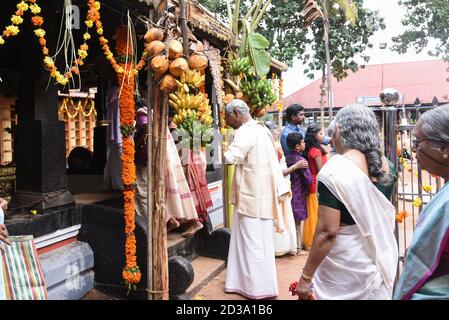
column 283, row 28
column 425, row 19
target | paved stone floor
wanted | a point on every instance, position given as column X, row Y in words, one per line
column 288, row 269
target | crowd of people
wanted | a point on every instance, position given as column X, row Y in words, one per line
column 292, row 195
column 340, row 204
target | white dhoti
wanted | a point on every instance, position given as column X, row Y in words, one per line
column 349, row 272
column 251, row 268
column 286, row 240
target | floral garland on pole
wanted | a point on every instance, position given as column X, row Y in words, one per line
column 16, row 19
column 131, row 272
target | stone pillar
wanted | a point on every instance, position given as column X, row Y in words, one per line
column 40, row 137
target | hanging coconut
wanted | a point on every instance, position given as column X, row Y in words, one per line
column 196, row 46
column 198, row 62
column 259, row 112
column 178, row 67
column 228, row 98
column 175, row 49
column 154, row 47
column 159, row 64
column 168, row 83
column 154, row 34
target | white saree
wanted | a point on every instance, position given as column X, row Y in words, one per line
column 362, row 263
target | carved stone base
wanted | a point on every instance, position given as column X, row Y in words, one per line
column 39, row 201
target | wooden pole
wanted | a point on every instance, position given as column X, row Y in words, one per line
column 328, row 60
column 149, row 140
column 183, row 22
column 160, row 255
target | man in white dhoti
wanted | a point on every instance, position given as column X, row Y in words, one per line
column 354, row 253
column 256, row 191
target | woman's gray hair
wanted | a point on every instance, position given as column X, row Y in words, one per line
column 237, row 105
column 358, row 129
column 435, row 124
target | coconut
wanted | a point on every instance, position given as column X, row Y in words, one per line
column 198, row 62
column 159, row 64
column 168, row 83
column 239, row 95
column 196, row 46
column 259, row 112
column 175, row 49
column 228, row 98
column 154, row 34
column 178, row 67
column 154, row 47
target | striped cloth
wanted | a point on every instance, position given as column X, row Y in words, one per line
column 22, row 272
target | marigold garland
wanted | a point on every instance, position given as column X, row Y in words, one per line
column 49, row 63
column 94, row 17
column 131, row 272
column 16, row 19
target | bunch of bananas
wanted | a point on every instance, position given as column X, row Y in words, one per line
column 259, row 91
column 241, row 66
column 193, row 132
column 194, row 114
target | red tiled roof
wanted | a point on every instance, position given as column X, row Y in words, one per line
column 419, row 79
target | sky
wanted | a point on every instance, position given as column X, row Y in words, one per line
column 392, row 12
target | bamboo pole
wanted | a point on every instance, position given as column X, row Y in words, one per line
column 149, row 140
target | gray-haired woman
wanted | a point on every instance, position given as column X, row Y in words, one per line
column 354, row 251
column 426, row 270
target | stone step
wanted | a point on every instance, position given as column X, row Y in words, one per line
column 205, row 269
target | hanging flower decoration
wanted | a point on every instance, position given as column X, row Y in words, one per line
column 49, row 63
column 94, row 17
column 16, row 19
column 417, row 202
column 400, row 217
column 131, row 272
column 81, row 108
column 427, row 188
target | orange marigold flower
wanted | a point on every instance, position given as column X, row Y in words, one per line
column 42, row 42
column 45, row 51
column 37, row 21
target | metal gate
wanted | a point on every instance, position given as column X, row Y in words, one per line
column 415, row 187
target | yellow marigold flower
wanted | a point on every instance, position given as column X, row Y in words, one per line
column 22, row 6
column 35, row 9
column 97, row 5
column 89, row 23
column 49, row 62
column 13, row 30
column 417, row 202
column 427, row 188
column 40, row 33
column 16, row 19
column 120, row 70
column 86, row 36
column 82, row 53
column 109, row 56
column 100, row 31
column 33, row 212
column 2, row 41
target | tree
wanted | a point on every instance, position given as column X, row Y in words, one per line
column 283, row 27
column 347, row 41
column 425, row 19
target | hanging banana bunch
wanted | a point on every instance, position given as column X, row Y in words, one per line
column 193, row 110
